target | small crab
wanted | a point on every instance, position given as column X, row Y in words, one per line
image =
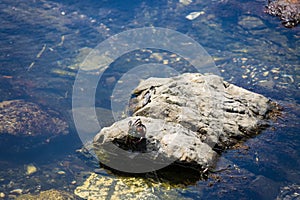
column 136, row 138
column 137, row 129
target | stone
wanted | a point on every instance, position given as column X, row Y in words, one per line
column 21, row 118
column 165, row 140
column 289, row 192
column 105, row 187
column 250, row 22
column 24, row 125
column 30, row 169
column 16, row 191
column 287, row 10
column 61, row 172
column 49, row 195
column 188, row 119
column 194, row 15
column 185, row 2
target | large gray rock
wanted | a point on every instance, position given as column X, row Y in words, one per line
column 188, row 119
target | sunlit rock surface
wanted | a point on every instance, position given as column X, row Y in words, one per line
column 49, row 195
column 105, row 187
column 287, row 10
column 188, row 118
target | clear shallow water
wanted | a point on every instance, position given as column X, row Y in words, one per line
column 263, row 58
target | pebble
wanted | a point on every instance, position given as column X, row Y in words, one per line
column 30, row 169
column 194, row 15
column 165, row 62
column 73, row 182
column 2, row 195
column 61, row 172
column 16, row 191
column 266, row 73
column 275, row 70
column 185, row 2
column 157, row 56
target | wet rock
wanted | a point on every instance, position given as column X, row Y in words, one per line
column 21, row 120
column 49, row 195
column 164, row 140
column 287, row 10
column 264, row 188
column 289, row 192
column 188, row 118
column 194, row 15
column 30, row 169
column 16, row 191
column 105, row 187
column 250, row 22
column 185, row 2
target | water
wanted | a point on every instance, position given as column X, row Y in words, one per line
column 250, row 48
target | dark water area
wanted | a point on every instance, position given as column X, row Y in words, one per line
column 42, row 44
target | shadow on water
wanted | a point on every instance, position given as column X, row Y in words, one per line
column 38, row 150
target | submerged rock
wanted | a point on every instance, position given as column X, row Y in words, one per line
column 105, row 187
column 289, row 192
column 188, row 119
column 26, row 121
column 49, row 195
column 287, row 10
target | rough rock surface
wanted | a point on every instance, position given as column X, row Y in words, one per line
column 287, row 10
column 289, row 192
column 105, row 187
column 49, row 195
column 189, row 118
column 21, row 120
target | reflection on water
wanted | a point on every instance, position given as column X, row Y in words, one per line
column 43, row 42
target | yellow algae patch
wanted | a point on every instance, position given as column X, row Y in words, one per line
column 105, row 187
column 48, row 194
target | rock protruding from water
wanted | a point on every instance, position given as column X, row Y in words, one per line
column 287, row 10
column 189, row 119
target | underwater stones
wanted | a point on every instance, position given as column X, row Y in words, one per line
column 289, row 192
column 287, row 10
column 30, row 169
column 49, row 195
column 105, row 187
column 194, row 15
column 250, row 22
column 21, row 120
column 185, row 2
column 190, row 118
